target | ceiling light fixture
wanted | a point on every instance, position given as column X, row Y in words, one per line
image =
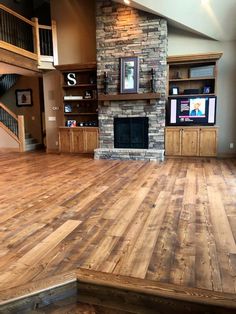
column 127, row 2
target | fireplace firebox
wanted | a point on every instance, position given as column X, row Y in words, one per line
column 131, row 132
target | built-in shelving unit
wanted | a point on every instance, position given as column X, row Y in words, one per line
column 197, row 74
column 192, row 76
column 79, row 132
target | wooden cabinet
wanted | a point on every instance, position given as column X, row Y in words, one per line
column 173, row 141
column 191, row 141
column 78, row 140
column 64, row 140
column 208, row 141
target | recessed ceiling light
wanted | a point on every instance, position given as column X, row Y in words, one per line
column 127, row 1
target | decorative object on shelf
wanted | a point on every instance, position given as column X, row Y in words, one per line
column 153, row 81
column 71, row 97
column 203, row 71
column 105, row 83
column 178, row 75
column 129, row 74
column 88, row 94
column 174, row 90
column 71, row 79
column 24, row 97
column 68, row 108
column 191, row 91
column 71, row 123
column 206, row 90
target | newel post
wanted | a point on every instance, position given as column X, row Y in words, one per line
column 36, row 37
column 54, row 42
column 21, row 132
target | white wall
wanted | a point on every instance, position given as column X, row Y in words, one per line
column 181, row 42
column 76, row 30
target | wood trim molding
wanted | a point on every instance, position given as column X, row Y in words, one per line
column 195, row 57
column 163, row 291
column 118, row 292
column 34, row 288
column 76, row 67
column 18, row 50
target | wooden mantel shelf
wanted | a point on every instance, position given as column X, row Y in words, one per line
column 144, row 96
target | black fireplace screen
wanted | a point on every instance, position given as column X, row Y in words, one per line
column 131, row 132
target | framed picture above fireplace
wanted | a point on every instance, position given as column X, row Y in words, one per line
column 129, row 75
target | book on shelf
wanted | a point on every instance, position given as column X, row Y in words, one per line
column 73, row 97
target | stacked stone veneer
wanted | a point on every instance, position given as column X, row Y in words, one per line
column 123, row 32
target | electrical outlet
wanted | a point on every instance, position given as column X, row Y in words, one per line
column 231, row 145
column 56, row 143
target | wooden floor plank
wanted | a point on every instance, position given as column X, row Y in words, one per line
column 172, row 222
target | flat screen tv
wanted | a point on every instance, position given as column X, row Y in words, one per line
column 192, row 110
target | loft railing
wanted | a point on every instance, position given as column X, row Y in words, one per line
column 27, row 37
column 13, row 125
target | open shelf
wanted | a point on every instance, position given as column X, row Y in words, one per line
column 78, row 100
column 191, row 79
column 81, row 85
column 80, row 113
column 190, row 95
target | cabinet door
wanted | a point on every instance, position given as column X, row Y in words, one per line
column 173, row 141
column 190, row 142
column 208, row 141
column 65, row 140
column 91, row 140
column 78, row 141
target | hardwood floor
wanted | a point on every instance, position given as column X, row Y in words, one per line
column 172, row 222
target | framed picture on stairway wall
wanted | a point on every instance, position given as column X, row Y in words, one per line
column 24, row 97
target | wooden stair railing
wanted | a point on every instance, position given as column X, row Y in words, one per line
column 13, row 125
column 27, row 37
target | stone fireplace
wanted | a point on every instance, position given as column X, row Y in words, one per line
column 123, row 32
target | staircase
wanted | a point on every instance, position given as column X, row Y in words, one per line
column 31, row 143
column 7, row 81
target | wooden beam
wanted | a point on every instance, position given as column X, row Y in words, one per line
column 146, row 296
column 18, row 50
column 19, row 60
column 194, row 57
column 144, row 96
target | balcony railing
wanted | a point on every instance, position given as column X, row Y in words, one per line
column 27, row 37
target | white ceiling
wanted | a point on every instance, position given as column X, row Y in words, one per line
column 215, row 19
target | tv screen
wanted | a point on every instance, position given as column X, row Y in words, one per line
column 192, row 111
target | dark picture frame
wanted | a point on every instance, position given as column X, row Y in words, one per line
column 24, row 97
column 174, row 90
column 129, row 75
column 206, row 90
